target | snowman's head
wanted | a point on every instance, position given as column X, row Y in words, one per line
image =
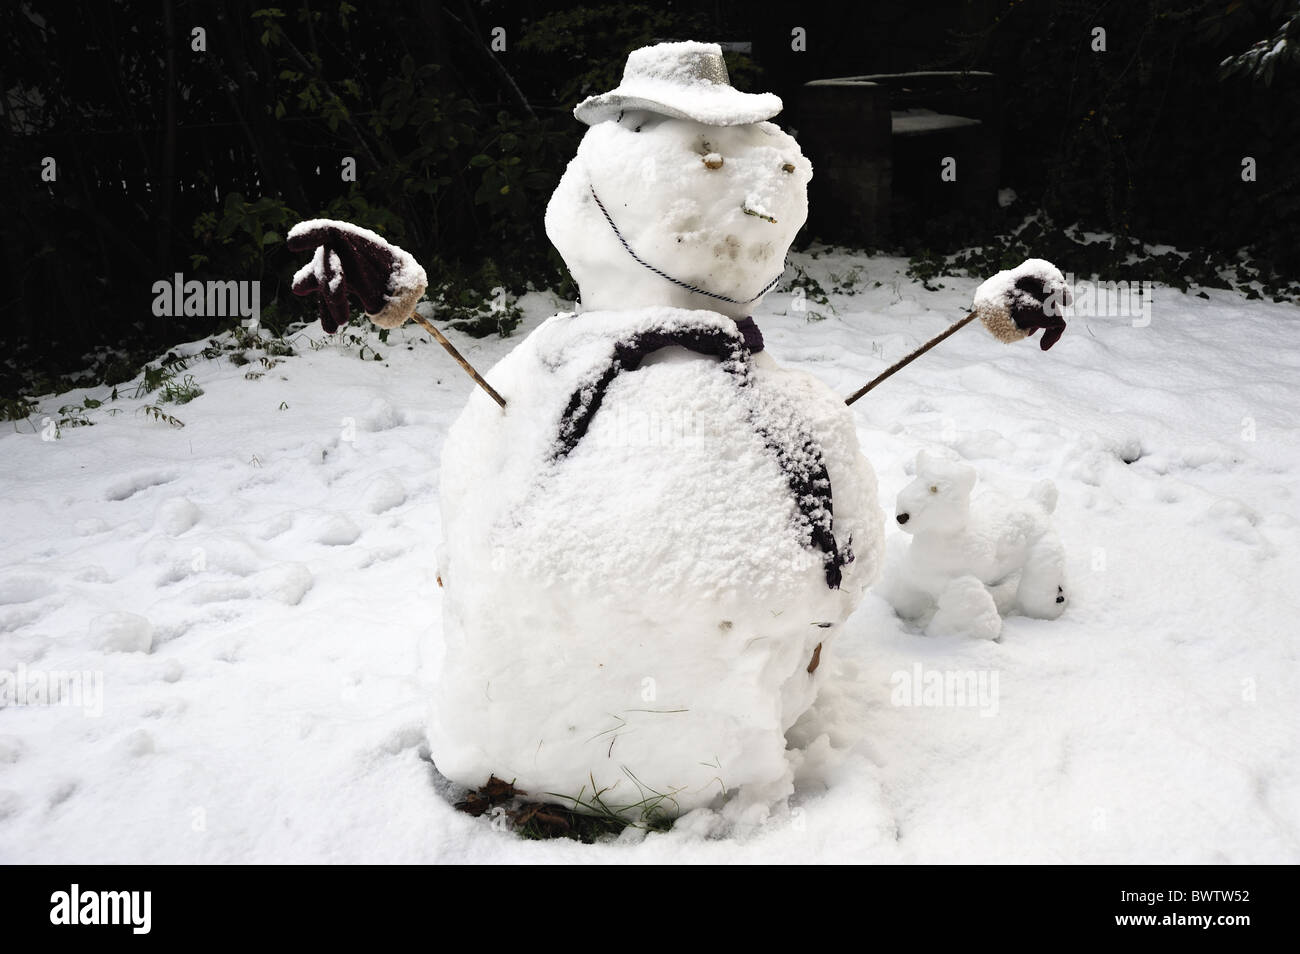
column 684, row 204
column 681, row 193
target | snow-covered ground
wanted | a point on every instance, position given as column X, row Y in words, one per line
column 255, row 595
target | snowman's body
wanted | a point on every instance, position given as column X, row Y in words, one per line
column 648, row 551
column 641, row 613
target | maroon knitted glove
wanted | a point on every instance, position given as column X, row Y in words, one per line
column 354, row 261
column 1033, row 306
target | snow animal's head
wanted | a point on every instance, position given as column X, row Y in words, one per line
column 658, row 199
column 938, row 500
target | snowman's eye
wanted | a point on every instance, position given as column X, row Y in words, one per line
column 934, row 489
column 787, row 167
column 712, row 161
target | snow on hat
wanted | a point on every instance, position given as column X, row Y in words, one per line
column 682, row 80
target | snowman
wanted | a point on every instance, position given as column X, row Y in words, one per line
column 650, row 546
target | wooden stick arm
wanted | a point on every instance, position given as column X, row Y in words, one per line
column 904, row 362
column 438, row 336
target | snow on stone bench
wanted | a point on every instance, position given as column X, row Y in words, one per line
column 918, row 122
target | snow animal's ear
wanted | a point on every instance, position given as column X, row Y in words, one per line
column 922, row 462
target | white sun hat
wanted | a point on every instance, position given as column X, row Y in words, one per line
column 682, row 80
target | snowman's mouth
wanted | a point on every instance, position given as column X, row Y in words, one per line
column 677, row 281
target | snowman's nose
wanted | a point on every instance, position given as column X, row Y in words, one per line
column 904, row 517
column 758, row 215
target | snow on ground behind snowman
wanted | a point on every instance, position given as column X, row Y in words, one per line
column 257, row 590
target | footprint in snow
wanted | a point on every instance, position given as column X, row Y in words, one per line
column 383, row 555
column 381, row 416
column 16, row 619
column 130, row 486
column 11, row 749
column 218, row 553
column 23, row 589
column 121, row 632
column 286, row 583
column 176, row 515
column 62, row 792
column 10, row 804
column 91, row 573
column 406, row 737
column 385, row 493
column 223, row 591
column 136, row 744
column 27, row 648
column 1237, row 522
column 276, row 526
column 338, row 531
